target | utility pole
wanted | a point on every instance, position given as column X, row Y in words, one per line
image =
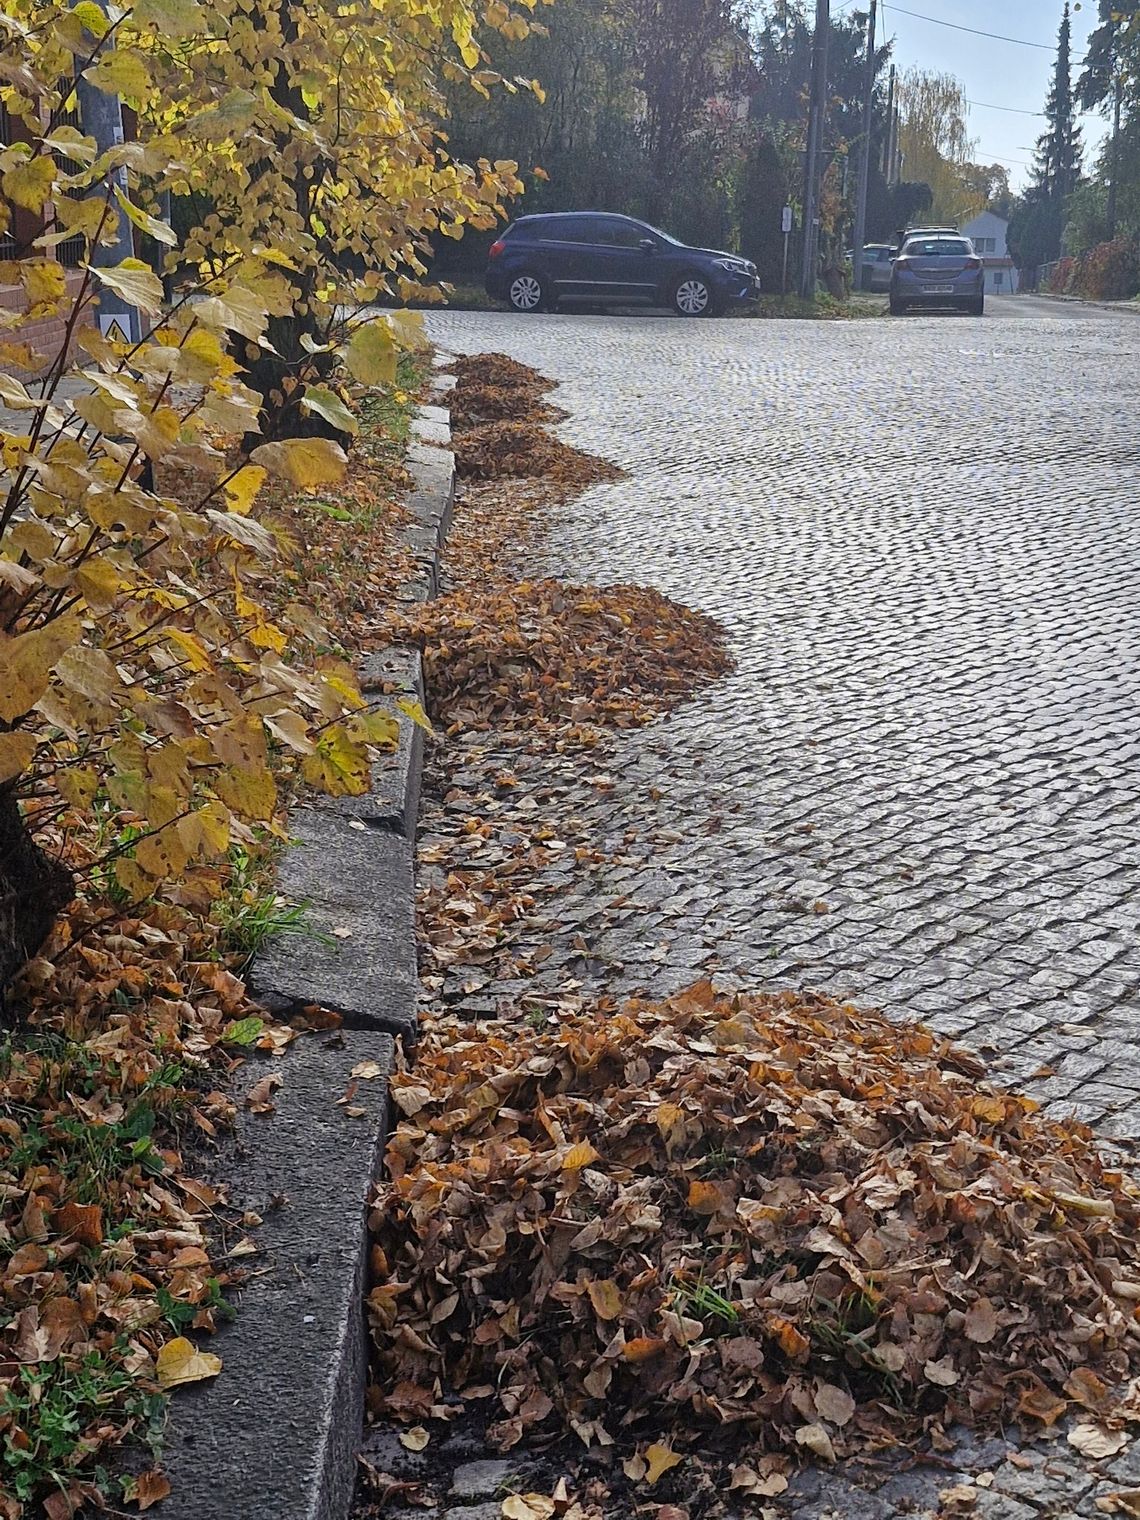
column 889, row 144
column 1114, row 155
column 864, row 157
column 816, row 111
column 101, row 117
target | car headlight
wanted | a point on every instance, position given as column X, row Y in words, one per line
column 734, row 266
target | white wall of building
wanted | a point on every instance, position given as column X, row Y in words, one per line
column 987, row 231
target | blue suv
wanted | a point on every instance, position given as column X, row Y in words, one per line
column 542, row 261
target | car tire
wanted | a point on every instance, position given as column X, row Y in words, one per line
column 978, row 308
column 528, row 292
column 897, row 308
column 692, row 296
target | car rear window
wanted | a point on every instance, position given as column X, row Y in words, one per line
column 938, row 248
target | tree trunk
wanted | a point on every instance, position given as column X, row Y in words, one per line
column 33, row 890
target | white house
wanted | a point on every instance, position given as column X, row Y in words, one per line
column 987, row 233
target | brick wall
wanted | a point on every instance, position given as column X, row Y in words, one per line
column 44, row 334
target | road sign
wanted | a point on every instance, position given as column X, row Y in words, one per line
column 113, row 328
column 786, row 220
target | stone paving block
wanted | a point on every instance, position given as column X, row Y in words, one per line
column 357, row 955
column 259, row 1439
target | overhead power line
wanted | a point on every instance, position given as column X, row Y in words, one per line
column 1046, row 47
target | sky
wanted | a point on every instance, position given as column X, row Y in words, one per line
column 992, row 73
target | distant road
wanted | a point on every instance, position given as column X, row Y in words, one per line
column 1042, row 306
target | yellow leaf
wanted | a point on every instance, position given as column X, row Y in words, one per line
column 206, row 833
column 89, row 14
column 201, row 357
column 605, row 1295
column 30, row 184
column 45, row 285
column 26, row 664
column 415, row 1439
column 659, row 1459
column 379, row 728
column 306, row 462
column 180, row 1361
column 250, row 793
column 134, row 281
column 78, row 785
column 414, row 710
column 170, row 18
column 371, row 354
column 578, row 1156
column 160, row 231
column 120, row 73
column 238, row 310
column 190, row 648
column 99, row 581
column 338, row 765
column 327, row 404
column 16, row 751
column 134, row 881
column 241, row 489
column 163, row 855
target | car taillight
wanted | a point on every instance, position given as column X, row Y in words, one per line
column 496, row 248
column 901, row 262
column 973, row 263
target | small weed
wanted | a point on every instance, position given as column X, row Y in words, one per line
column 537, row 1019
column 705, row 1302
column 180, row 1315
column 250, row 912
column 717, row 1162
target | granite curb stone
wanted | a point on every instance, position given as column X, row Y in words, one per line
column 277, row 1432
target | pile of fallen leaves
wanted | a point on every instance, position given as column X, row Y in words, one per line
column 766, row 1224
column 476, row 371
column 507, row 654
column 472, row 406
column 498, row 450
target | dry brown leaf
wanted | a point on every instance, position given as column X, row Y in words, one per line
column 1094, row 1441
column 981, row 1322
column 817, row 1441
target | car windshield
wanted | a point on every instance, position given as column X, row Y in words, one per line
column 676, row 242
column 937, row 248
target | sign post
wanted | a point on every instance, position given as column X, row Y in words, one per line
column 785, row 228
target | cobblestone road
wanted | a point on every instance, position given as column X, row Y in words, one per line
column 920, row 787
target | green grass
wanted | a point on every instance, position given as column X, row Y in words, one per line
column 250, row 912
column 705, row 1303
column 54, row 1403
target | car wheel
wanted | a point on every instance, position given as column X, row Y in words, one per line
column 978, row 307
column 692, row 297
column 527, row 292
column 897, row 308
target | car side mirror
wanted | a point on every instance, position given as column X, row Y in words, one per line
column 647, row 245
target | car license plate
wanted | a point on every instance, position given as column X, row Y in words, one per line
column 938, row 290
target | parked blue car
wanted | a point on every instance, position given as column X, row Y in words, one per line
column 609, row 260
column 938, row 270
